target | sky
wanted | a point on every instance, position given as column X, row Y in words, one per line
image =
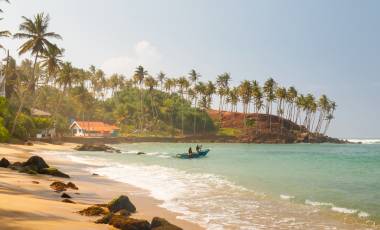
column 327, row 47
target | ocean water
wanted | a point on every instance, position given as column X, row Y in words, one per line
column 251, row 186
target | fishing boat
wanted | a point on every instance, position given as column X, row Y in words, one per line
column 200, row 153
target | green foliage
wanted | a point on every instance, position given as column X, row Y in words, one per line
column 230, row 132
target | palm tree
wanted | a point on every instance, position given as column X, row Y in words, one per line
column 245, row 93
column 169, row 85
column 323, row 106
column 281, row 96
column 36, row 34
column 138, row 77
column 183, row 85
column 269, row 89
column 65, row 77
column 4, row 33
column 233, row 98
column 222, row 83
column 52, row 60
column 193, row 78
column 291, row 96
column 330, row 115
column 160, row 78
column 151, row 83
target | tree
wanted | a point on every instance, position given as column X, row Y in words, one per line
column 194, row 77
column 245, row 93
column 222, row 83
column 281, row 96
column 151, row 83
column 160, row 78
column 138, row 77
column 330, row 115
column 36, row 35
column 183, row 85
column 51, row 61
column 269, row 89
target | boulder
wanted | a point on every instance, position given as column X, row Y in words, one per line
column 141, row 153
column 16, row 166
column 58, row 186
column 4, row 163
column 126, row 223
column 105, row 219
column 96, row 147
column 35, row 182
column 53, row 172
column 65, row 195
column 72, row 186
column 162, row 224
column 93, row 211
column 68, row 201
column 35, row 163
column 122, row 202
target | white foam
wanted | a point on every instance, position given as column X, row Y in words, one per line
column 344, row 210
column 362, row 214
column 316, row 203
column 286, row 197
column 365, row 141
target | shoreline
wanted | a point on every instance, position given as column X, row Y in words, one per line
column 92, row 189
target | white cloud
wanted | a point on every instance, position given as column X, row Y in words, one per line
column 144, row 53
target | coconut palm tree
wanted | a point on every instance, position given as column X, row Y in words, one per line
column 323, row 106
column 291, row 96
column 183, row 85
column 138, row 77
column 151, row 83
column 169, row 85
column 193, row 78
column 233, row 98
column 51, row 60
column 4, row 34
column 281, row 96
column 7, row 1
column 65, row 76
column 222, row 83
column 245, row 93
column 160, row 78
column 35, row 31
column 330, row 115
column 269, row 89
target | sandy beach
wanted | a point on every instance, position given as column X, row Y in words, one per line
column 27, row 201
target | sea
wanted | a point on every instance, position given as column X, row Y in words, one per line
column 254, row 186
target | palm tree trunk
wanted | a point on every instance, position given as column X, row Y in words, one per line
column 22, row 99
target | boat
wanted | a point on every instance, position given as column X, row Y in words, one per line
column 201, row 153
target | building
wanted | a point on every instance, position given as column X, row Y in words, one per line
column 47, row 132
column 93, row 129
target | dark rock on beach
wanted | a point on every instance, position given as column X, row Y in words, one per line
column 4, row 163
column 162, row 224
column 126, row 223
column 53, row 172
column 122, row 202
column 96, row 147
column 16, row 166
column 68, row 201
column 72, row 186
column 35, row 163
column 58, row 186
column 93, row 211
column 65, row 195
column 141, row 153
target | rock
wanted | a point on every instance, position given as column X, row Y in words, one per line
column 28, row 143
column 58, row 186
column 122, row 202
column 95, row 174
column 65, row 195
column 16, row 166
column 162, row 224
column 53, row 172
column 105, row 219
column 68, row 201
column 126, row 223
column 28, row 170
column 35, row 182
column 141, row 153
column 93, row 211
column 123, row 212
column 4, row 163
column 96, row 147
column 35, row 163
column 72, row 186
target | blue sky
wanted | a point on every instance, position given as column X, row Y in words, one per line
column 322, row 47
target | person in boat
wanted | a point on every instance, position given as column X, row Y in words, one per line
column 190, row 152
column 198, row 148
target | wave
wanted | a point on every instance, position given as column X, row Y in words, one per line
column 334, row 208
column 365, row 141
column 286, row 197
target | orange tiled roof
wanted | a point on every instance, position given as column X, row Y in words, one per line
column 96, row 126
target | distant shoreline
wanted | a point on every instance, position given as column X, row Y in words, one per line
column 191, row 139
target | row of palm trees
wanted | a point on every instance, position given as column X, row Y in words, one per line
column 49, row 68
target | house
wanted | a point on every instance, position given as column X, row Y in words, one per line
column 93, row 129
column 46, row 132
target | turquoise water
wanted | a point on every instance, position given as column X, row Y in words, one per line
column 250, row 186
